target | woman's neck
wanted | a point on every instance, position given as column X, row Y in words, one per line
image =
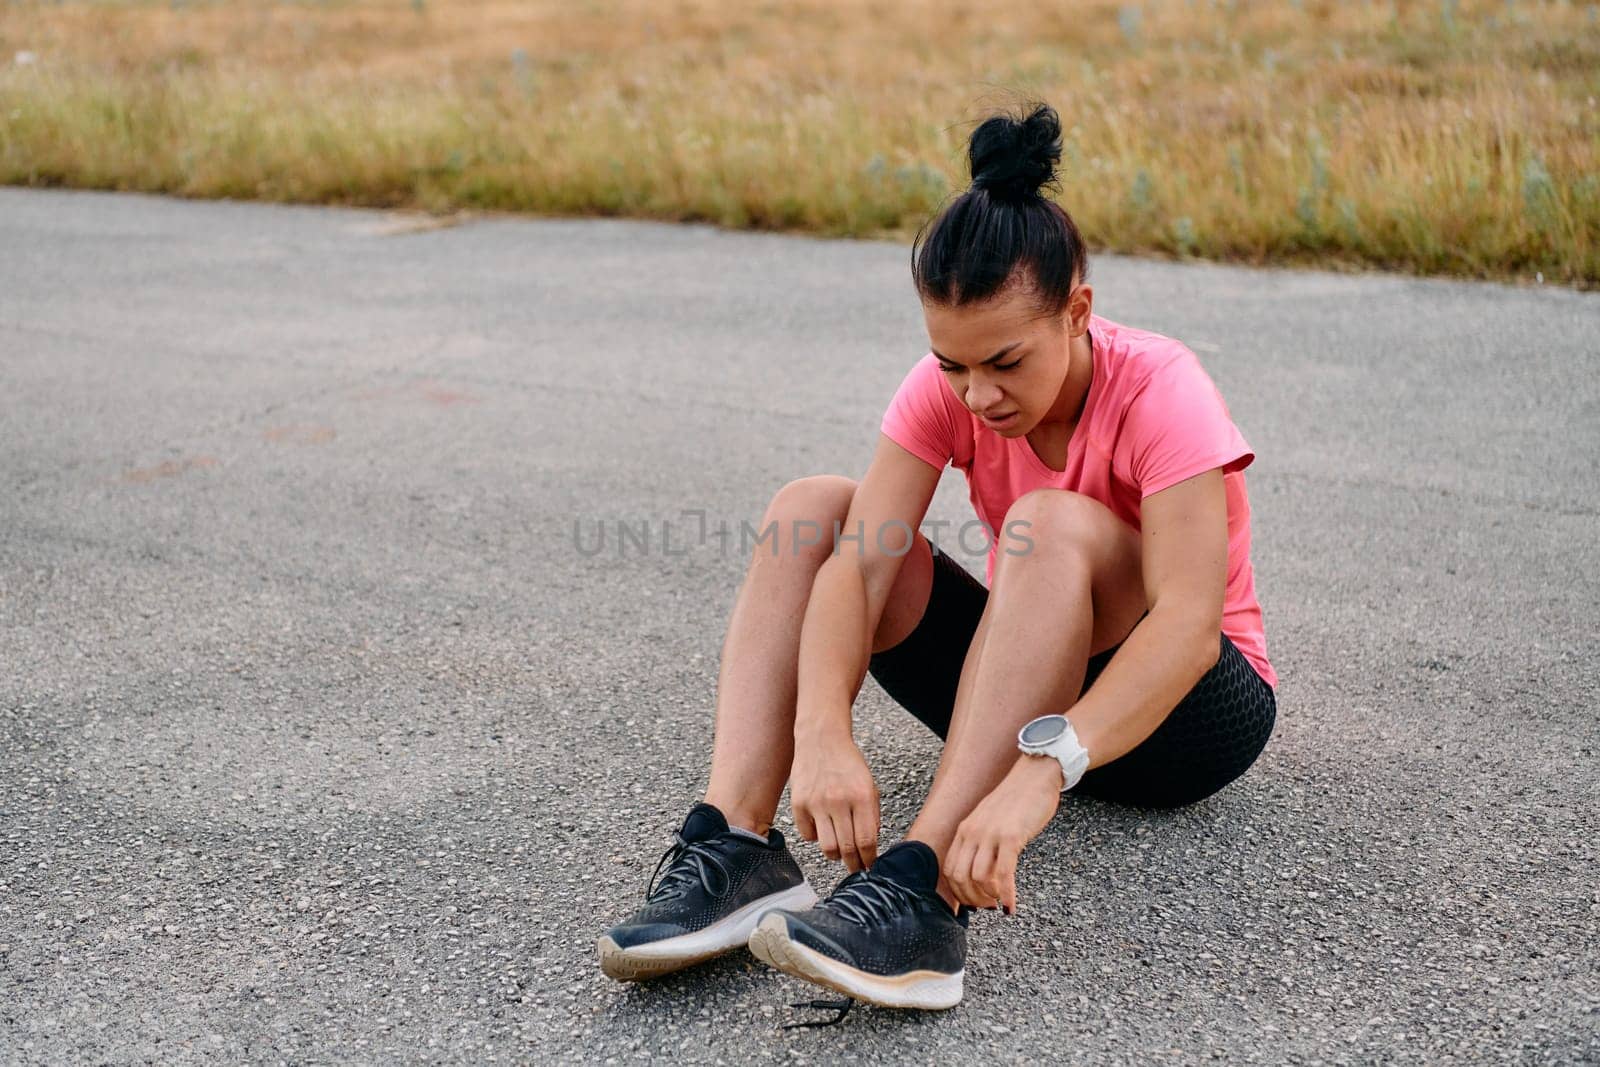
column 1067, row 409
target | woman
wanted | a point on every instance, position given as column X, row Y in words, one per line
column 1118, row 651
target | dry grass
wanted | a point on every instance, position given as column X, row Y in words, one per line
column 1441, row 137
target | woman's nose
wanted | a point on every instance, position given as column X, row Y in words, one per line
column 983, row 396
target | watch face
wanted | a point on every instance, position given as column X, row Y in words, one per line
column 1045, row 730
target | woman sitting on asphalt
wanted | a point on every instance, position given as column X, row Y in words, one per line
column 1117, row 651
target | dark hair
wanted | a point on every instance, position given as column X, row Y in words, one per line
column 1002, row 225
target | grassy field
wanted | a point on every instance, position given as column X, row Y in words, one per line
column 1441, row 137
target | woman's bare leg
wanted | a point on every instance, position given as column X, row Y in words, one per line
column 1077, row 592
column 757, row 684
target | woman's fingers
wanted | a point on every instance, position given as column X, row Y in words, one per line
column 981, row 872
column 845, row 828
column 850, row 835
column 983, row 882
column 866, row 824
column 958, row 869
column 804, row 825
column 1006, row 876
column 827, row 840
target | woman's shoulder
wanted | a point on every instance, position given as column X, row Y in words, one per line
column 1146, row 368
column 924, row 417
column 1136, row 354
column 1164, row 419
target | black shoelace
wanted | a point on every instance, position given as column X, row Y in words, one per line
column 862, row 898
column 688, row 863
column 841, row 1008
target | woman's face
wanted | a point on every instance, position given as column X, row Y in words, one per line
column 1005, row 361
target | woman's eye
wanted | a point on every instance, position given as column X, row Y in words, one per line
column 950, row 370
column 1007, row 366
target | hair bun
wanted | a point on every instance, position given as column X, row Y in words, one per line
column 1013, row 158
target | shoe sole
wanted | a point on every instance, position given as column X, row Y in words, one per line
column 670, row 954
column 927, row 990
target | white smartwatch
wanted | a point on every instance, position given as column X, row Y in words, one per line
column 1053, row 736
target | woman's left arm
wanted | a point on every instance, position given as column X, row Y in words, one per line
column 1184, row 533
column 1185, row 555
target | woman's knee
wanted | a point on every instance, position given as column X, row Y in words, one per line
column 1078, row 539
column 1054, row 522
column 801, row 515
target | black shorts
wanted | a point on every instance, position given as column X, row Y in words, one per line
column 1215, row 733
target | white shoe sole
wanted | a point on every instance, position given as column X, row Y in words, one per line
column 673, row 953
column 928, row 990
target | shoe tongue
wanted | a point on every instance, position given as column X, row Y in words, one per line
column 911, row 864
column 704, row 822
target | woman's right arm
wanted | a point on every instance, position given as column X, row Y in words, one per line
column 834, row 797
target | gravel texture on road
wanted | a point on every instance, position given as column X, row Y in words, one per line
column 327, row 736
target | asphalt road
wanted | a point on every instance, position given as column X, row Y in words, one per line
column 323, row 738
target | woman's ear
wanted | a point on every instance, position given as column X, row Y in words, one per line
column 1080, row 305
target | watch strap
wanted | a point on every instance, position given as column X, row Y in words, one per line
column 1066, row 750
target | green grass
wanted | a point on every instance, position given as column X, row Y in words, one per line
column 1436, row 138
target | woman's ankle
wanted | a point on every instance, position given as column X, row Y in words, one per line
column 741, row 816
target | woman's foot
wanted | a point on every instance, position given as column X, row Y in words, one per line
column 711, row 888
column 884, row 935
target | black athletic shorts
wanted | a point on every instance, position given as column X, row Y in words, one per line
column 1215, row 733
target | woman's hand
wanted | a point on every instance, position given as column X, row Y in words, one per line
column 981, row 864
column 835, row 800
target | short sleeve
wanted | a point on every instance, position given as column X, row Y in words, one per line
column 1176, row 427
column 919, row 418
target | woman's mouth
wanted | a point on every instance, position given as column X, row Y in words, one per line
column 999, row 423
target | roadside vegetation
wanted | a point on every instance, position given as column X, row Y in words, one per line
column 1440, row 137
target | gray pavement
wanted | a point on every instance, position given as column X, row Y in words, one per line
column 322, row 740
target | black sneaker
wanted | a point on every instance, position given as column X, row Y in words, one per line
column 714, row 886
column 884, row 936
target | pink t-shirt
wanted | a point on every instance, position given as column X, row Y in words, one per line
column 1152, row 418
